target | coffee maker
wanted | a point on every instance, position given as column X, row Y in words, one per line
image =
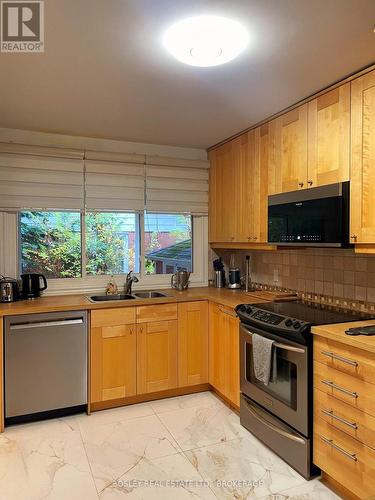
column 9, row 291
column 234, row 275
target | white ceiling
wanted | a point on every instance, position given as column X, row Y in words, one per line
column 106, row 74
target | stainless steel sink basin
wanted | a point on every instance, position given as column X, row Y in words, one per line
column 149, row 294
column 107, row 298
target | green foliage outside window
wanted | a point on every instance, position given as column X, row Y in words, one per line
column 51, row 243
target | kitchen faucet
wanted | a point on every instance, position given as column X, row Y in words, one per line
column 129, row 282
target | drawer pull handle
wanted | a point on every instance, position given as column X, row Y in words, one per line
column 339, row 358
column 330, row 413
column 352, row 456
column 338, row 388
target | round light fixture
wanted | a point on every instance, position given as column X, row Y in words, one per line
column 206, row 40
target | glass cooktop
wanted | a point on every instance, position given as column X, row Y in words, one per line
column 311, row 312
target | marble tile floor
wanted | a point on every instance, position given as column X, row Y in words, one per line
column 190, row 447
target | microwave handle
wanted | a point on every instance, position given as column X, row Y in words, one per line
column 278, row 344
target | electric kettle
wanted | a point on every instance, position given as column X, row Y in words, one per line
column 180, row 280
column 32, row 286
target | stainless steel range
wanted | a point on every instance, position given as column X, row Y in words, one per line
column 280, row 413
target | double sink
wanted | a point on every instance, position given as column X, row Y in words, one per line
column 149, row 294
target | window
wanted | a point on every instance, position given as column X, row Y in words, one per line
column 50, row 243
column 112, row 243
column 168, row 243
column 90, row 246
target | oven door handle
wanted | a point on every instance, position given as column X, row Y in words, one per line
column 272, row 426
column 287, row 347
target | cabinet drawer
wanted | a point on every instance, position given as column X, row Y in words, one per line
column 349, row 389
column 347, row 359
column 345, row 459
column 113, row 317
column 356, row 423
column 162, row 312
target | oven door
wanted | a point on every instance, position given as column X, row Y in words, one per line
column 287, row 395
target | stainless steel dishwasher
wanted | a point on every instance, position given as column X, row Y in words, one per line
column 45, row 365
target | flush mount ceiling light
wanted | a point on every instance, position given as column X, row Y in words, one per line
column 206, row 40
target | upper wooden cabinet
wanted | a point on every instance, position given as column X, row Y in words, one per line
column 156, row 356
column 363, row 159
column 192, row 343
column 288, row 151
column 329, row 137
column 223, row 194
column 113, row 354
column 238, row 190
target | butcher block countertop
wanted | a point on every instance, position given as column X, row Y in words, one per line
column 337, row 332
column 53, row 303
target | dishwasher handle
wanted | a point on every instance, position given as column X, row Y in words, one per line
column 64, row 322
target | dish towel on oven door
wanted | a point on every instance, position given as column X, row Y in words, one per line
column 264, row 358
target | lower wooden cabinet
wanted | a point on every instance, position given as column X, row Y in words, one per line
column 156, row 356
column 113, row 354
column 224, row 372
column 141, row 350
column 192, row 343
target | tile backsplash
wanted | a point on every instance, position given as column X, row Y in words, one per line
column 338, row 273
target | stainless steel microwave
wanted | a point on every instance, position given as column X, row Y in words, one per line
column 310, row 217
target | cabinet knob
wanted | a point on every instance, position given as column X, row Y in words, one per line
column 301, row 184
column 232, row 238
column 249, row 238
column 354, row 237
column 255, row 238
column 310, row 183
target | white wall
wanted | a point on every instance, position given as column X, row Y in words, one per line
column 77, row 142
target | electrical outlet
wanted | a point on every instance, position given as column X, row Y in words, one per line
column 275, row 275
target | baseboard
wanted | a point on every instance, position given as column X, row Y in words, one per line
column 143, row 398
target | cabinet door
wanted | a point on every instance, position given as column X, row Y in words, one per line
column 232, row 367
column 363, row 159
column 260, row 183
column 217, row 349
column 192, row 343
column 223, row 191
column 243, row 203
column 288, row 150
column 113, row 362
column 156, row 356
column 329, row 135
column 224, row 353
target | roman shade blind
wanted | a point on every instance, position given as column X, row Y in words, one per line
column 114, row 181
column 176, row 185
column 40, row 178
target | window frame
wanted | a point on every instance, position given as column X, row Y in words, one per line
column 90, row 284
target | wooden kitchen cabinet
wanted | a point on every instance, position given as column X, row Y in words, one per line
column 362, row 216
column 156, row 356
column 344, row 409
column 224, row 373
column 253, row 187
column 329, row 137
column 223, row 194
column 288, row 151
column 192, row 343
column 113, row 354
column 238, row 190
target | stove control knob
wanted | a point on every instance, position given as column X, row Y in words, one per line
column 242, row 309
column 296, row 325
column 249, row 310
column 288, row 322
